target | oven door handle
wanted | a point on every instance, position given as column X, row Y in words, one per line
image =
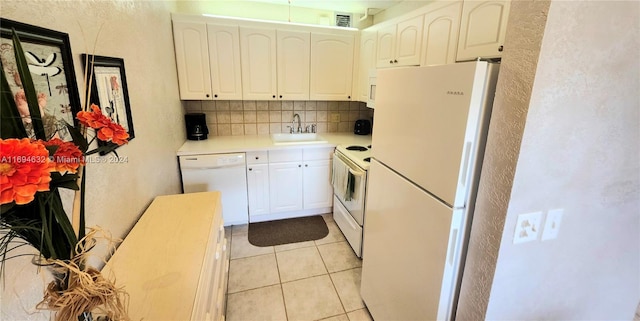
column 353, row 168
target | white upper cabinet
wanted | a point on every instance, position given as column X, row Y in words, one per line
column 400, row 44
column 224, row 59
column 293, row 59
column 482, row 29
column 367, row 62
column 192, row 59
column 440, row 34
column 386, row 46
column 331, row 66
column 258, row 54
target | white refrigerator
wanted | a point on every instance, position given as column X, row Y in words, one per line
column 428, row 144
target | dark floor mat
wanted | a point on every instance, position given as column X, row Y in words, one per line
column 292, row 230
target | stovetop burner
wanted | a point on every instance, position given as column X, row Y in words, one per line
column 357, row 148
column 368, row 159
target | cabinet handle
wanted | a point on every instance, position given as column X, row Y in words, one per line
column 500, row 48
column 207, row 95
column 395, row 61
column 299, row 165
column 274, row 96
column 280, row 96
column 306, row 165
column 216, row 95
column 257, row 157
column 250, row 169
column 348, row 97
column 390, row 61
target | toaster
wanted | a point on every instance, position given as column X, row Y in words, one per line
column 362, row 127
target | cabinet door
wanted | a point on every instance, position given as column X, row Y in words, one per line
column 318, row 192
column 408, row 42
column 386, row 46
column 224, row 59
column 331, row 66
column 258, row 189
column 293, row 64
column 482, row 29
column 440, row 35
column 192, row 59
column 285, row 187
column 367, row 62
column 258, row 56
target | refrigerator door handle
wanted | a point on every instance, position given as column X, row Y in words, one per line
column 465, row 164
column 453, row 241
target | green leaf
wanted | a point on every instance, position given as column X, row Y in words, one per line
column 11, row 125
column 29, row 88
column 63, row 220
column 81, row 231
column 68, row 181
column 78, row 139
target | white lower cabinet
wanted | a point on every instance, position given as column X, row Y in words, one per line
column 317, row 189
column 258, row 189
column 285, row 187
column 285, row 183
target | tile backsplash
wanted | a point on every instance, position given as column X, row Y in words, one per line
column 251, row 117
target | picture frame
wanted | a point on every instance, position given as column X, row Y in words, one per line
column 109, row 89
column 48, row 53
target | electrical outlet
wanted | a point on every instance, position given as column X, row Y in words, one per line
column 552, row 224
column 527, row 227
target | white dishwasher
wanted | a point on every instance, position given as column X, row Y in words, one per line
column 219, row 172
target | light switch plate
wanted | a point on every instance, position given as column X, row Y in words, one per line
column 527, row 227
column 552, row 224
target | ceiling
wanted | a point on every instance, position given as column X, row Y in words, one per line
column 355, row 6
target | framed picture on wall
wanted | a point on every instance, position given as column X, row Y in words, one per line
column 48, row 54
column 109, row 89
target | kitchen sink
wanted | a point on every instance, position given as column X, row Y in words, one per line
column 300, row 138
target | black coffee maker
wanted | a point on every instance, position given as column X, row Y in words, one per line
column 196, row 126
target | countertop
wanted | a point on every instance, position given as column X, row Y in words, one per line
column 233, row 144
column 159, row 263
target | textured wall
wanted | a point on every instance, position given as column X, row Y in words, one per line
column 250, row 117
column 581, row 152
column 517, row 72
column 140, row 33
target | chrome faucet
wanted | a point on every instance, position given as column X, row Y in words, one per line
column 299, row 128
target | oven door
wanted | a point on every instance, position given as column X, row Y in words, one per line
column 355, row 205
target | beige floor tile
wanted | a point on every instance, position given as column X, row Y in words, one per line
column 259, row 304
column 299, row 264
column 335, row 235
column 311, row 299
column 341, row 317
column 239, row 229
column 293, row 246
column 240, row 247
column 328, row 217
column 360, row 315
column 252, row 272
column 339, row 257
column 347, row 285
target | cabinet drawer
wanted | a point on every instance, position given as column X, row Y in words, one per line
column 318, row 153
column 285, row 155
column 258, row 157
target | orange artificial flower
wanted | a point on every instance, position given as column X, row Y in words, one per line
column 114, row 133
column 94, row 119
column 107, row 129
column 67, row 158
column 24, row 170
